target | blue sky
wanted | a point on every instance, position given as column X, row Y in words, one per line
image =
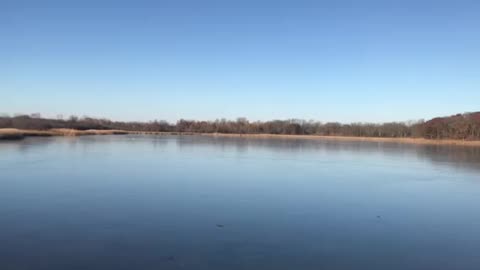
column 348, row 61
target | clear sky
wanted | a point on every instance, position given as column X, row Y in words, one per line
column 337, row 60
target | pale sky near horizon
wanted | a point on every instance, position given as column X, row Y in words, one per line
column 347, row 61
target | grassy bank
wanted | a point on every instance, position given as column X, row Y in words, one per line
column 360, row 139
column 15, row 134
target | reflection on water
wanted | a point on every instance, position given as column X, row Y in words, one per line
column 192, row 202
column 446, row 155
column 464, row 157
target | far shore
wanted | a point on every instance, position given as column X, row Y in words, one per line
column 17, row 134
column 352, row 138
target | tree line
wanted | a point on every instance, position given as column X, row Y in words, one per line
column 461, row 126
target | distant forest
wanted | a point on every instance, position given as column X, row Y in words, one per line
column 461, row 126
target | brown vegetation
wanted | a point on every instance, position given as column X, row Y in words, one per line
column 351, row 138
column 459, row 127
column 15, row 134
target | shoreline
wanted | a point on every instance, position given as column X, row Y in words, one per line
column 422, row 141
column 18, row 134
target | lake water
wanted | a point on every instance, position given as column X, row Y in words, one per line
column 166, row 202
